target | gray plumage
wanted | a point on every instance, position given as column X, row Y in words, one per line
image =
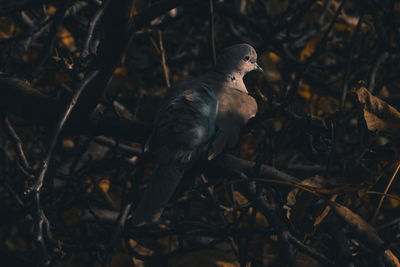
column 214, row 105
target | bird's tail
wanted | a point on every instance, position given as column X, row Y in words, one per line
column 156, row 196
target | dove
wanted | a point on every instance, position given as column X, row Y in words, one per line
column 209, row 109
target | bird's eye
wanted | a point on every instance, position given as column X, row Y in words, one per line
column 246, row 58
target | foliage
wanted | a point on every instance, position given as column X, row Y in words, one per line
column 312, row 182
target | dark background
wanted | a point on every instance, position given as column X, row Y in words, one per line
column 116, row 59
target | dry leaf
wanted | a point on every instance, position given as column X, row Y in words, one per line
column 390, row 259
column 270, row 62
column 50, row 10
column 394, row 203
column 66, row 38
column 379, row 115
column 304, row 90
column 309, row 49
column 314, row 181
column 299, row 202
column 104, row 184
column 363, row 230
column 240, row 199
column 68, row 144
column 7, row 28
column 206, row 257
column 121, row 71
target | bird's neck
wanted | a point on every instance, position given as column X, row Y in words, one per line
column 235, row 80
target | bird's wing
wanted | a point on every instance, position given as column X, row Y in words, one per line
column 185, row 122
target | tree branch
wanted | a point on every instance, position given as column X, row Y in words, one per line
column 18, row 98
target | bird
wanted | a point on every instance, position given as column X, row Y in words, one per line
column 208, row 110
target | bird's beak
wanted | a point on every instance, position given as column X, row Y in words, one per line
column 258, row 68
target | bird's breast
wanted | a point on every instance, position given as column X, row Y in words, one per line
column 236, row 106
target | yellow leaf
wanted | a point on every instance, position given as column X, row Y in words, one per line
column 393, row 203
column 304, row 91
column 274, row 57
column 66, row 38
column 50, row 10
column 270, row 62
column 121, row 71
column 7, row 28
column 139, row 248
column 134, row 11
column 344, row 27
column 104, row 184
column 68, row 144
column 309, row 49
column 379, row 115
column 240, row 199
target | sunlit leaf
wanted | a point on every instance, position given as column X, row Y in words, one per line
column 363, row 230
column 239, row 198
column 134, row 11
column 274, row 57
column 51, row 10
column 7, row 28
column 68, row 144
column 379, row 115
column 309, row 49
column 104, row 184
column 139, row 248
column 121, row 71
column 270, row 62
column 304, row 91
column 66, row 38
column 390, row 259
column 394, row 203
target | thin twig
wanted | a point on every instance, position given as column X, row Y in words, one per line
column 310, row 251
column 47, row 49
column 268, row 210
column 348, row 63
column 324, row 213
column 57, row 131
column 92, row 25
column 324, row 39
column 325, row 9
column 37, row 213
column 212, row 33
column 385, row 192
column 121, row 220
column 17, row 143
column 379, row 61
column 221, row 216
column 163, row 61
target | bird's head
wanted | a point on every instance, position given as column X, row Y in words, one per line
column 240, row 59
